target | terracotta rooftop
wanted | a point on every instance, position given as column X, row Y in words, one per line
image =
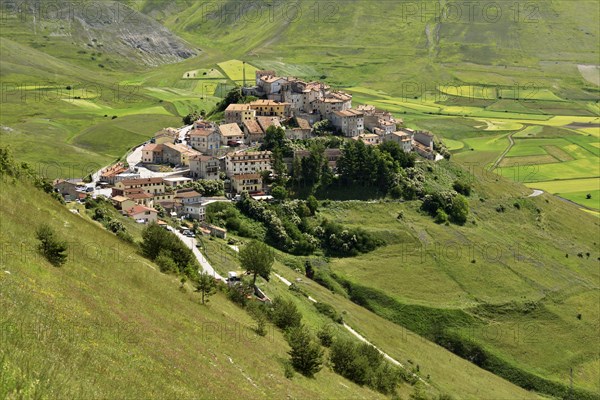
column 153, row 147
column 139, row 209
column 237, row 107
column 202, row 132
column 133, row 182
column 302, row 123
column 266, row 122
column 186, row 195
column 253, row 127
column 230, row 130
column 349, row 113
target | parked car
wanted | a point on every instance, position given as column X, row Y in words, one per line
column 188, row 233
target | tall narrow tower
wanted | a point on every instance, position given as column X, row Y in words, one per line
column 244, row 73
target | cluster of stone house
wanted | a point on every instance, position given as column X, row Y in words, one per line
column 134, row 196
column 213, row 150
column 167, row 153
column 288, row 97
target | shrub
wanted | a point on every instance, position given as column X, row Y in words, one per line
column 325, row 335
column 53, row 249
column 165, row 262
column 288, row 370
column 239, row 294
column 441, row 217
column 462, row 187
column 328, row 310
column 125, row 236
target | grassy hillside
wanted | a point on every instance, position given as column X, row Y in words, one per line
column 109, row 325
column 514, row 282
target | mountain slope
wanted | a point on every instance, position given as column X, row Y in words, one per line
column 389, row 45
column 109, row 325
column 106, row 28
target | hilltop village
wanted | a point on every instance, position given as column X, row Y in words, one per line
column 181, row 171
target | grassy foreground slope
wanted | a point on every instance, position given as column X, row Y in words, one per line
column 109, row 325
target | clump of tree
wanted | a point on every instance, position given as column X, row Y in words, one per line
column 323, row 128
column 285, row 224
column 99, row 209
column 168, row 251
column 363, row 364
column 343, row 242
column 234, row 96
column 228, row 216
column 23, row 172
column 51, row 247
column 257, row 258
column 289, row 227
column 311, row 172
column 379, row 168
column 454, row 205
column 208, row 187
column 441, row 148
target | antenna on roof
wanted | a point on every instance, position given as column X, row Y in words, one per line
column 244, row 73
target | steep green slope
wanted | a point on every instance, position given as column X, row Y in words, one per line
column 109, row 325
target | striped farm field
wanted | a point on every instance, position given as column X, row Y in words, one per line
column 567, row 186
column 527, row 160
column 235, row 71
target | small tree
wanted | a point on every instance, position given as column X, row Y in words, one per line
column 279, row 192
column 257, row 258
column 51, row 247
column 313, row 204
column 205, row 285
column 285, row 314
column 306, row 354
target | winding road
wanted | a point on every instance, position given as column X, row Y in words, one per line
column 191, row 243
column 510, row 146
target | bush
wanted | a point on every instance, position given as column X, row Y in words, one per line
column 239, row 293
column 53, row 249
column 125, row 236
column 165, row 262
column 288, row 370
column 364, row 365
column 157, row 241
column 328, row 310
column 325, row 335
column 461, row 187
column 454, row 205
column 441, row 217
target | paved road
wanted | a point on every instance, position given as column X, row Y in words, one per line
column 191, row 243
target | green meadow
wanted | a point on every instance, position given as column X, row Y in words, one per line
column 517, row 288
